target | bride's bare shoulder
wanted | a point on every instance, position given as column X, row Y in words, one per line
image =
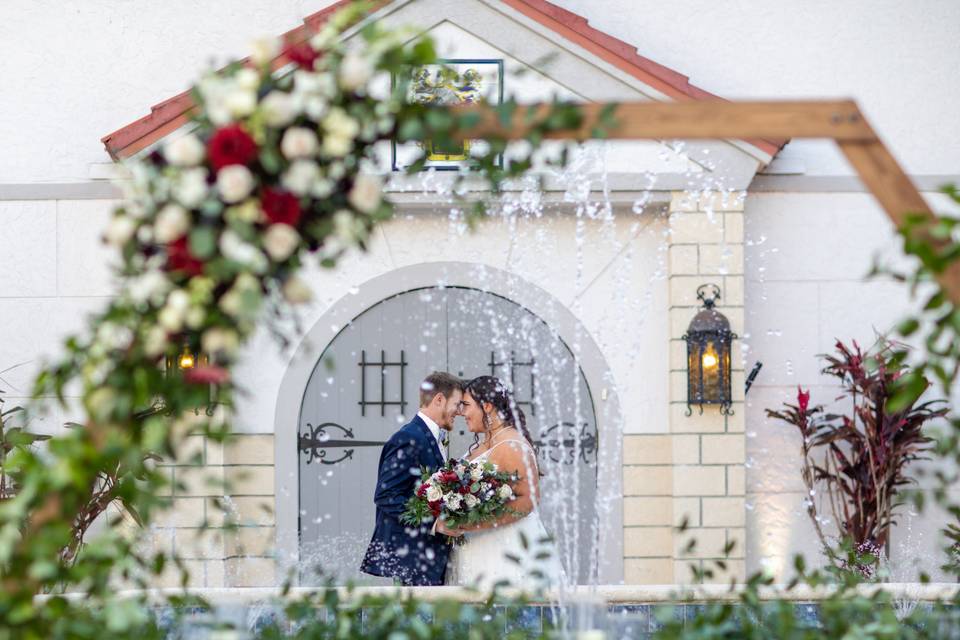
column 511, row 448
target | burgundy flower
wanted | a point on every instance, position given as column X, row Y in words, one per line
column 231, row 145
column 179, row 258
column 435, row 508
column 803, row 400
column 422, row 491
column 449, row 476
column 302, row 55
column 280, row 206
column 206, row 375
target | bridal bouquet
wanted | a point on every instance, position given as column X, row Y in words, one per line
column 461, row 492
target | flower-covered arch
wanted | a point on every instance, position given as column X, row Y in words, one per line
column 213, row 229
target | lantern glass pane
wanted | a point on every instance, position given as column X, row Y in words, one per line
column 712, row 379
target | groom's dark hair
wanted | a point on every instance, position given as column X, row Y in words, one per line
column 439, row 382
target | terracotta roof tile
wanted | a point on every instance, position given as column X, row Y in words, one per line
column 167, row 116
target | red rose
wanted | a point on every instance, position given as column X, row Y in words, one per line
column 422, row 491
column 435, row 507
column 449, row 476
column 280, row 206
column 464, row 490
column 803, row 400
column 302, row 55
column 206, row 375
column 179, row 258
column 231, row 145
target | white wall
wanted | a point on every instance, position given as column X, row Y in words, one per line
column 897, row 59
column 75, row 71
column 807, row 256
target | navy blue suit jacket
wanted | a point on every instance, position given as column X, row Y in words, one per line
column 412, row 554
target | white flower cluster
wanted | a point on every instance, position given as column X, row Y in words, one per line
column 246, row 205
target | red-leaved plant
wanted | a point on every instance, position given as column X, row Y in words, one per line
column 857, row 462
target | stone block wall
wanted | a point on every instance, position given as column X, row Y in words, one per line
column 224, row 536
column 692, row 472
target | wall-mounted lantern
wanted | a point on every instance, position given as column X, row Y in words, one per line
column 187, row 359
column 709, row 340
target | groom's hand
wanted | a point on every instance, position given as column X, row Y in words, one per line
column 447, row 531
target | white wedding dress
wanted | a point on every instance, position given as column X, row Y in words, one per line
column 499, row 555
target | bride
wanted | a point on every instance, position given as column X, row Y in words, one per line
column 515, row 549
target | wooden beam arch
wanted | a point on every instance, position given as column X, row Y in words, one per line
column 838, row 120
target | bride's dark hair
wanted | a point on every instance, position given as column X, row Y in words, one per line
column 487, row 389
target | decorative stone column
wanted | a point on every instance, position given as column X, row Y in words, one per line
column 694, row 470
column 194, row 527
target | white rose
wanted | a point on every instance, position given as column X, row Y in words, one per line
column 170, row 319
column 337, row 146
column 243, row 298
column 217, row 339
column 347, row 228
column 296, row 291
column 175, row 311
column 120, row 230
column 433, row 494
column 471, row 500
column 234, row 248
column 336, row 170
column 476, row 473
column 355, row 71
column 114, row 336
column 240, row 102
column 172, row 222
column 148, row 286
column 212, row 88
column 505, row 492
column 298, row 142
column 314, row 106
column 248, row 211
column 300, row 177
column 155, row 342
column 191, row 187
column 280, row 241
column 195, row 317
column 339, row 123
column 247, row 78
column 279, row 109
column 366, row 193
column 340, row 130
column 231, row 303
column 324, row 38
column 264, row 50
column 322, row 188
column 234, row 182
column 185, row 151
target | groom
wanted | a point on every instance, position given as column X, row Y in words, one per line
column 413, row 555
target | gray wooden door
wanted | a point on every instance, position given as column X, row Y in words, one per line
column 365, row 386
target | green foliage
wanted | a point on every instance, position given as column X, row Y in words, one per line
column 203, row 260
column 854, row 465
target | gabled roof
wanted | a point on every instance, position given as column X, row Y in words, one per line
column 171, row 114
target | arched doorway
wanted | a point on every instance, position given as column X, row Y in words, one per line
column 366, row 363
column 365, row 386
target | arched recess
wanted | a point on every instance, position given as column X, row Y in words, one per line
column 484, row 279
